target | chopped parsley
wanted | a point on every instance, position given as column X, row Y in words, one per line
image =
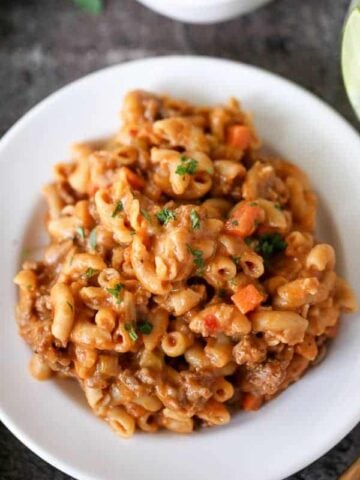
column 165, row 216
column 210, row 171
column 278, row 206
column 269, row 244
column 131, row 329
column 253, row 204
column 145, row 327
column 235, row 223
column 187, row 166
column 146, row 215
column 195, row 220
column 236, row 259
column 248, row 240
column 90, row 272
column 80, row 231
column 116, row 291
column 93, row 239
column 198, row 259
column 119, row 207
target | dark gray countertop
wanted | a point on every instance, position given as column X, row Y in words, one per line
column 45, row 44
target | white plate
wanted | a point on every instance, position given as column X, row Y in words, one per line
column 291, row 431
column 203, row 11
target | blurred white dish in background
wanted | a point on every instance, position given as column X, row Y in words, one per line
column 203, row 11
column 294, row 429
column 350, row 55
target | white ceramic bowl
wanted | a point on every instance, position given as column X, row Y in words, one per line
column 203, row 11
column 292, row 430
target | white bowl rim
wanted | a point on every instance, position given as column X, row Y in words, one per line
column 10, row 423
column 193, row 4
column 199, row 3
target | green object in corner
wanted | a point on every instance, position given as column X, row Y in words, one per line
column 350, row 55
column 91, row 6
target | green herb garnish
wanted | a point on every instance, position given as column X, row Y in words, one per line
column 130, row 328
column 90, row 272
column 91, row 6
column 278, row 206
column 93, row 239
column 253, row 204
column 195, row 220
column 269, row 244
column 187, row 166
column 198, row 259
column 80, row 231
column 235, row 223
column 145, row 327
column 165, row 216
column 116, row 291
column 133, row 328
column 119, row 207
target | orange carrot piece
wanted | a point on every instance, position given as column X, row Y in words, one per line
column 243, row 220
column 247, row 298
column 238, row 136
column 135, row 180
column 250, row 402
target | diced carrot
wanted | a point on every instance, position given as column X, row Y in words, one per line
column 247, row 298
column 238, row 136
column 243, row 220
column 211, row 322
column 135, row 180
column 250, row 402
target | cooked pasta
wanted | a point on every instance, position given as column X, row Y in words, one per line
column 182, row 280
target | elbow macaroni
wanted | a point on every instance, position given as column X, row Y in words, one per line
column 182, row 276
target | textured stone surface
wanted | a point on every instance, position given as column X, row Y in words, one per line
column 45, row 44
